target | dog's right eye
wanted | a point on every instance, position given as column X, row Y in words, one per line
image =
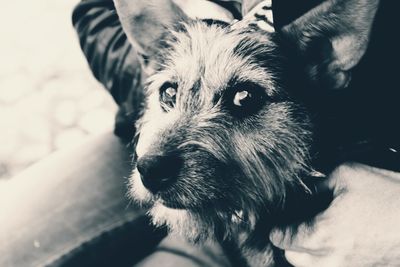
column 168, row 92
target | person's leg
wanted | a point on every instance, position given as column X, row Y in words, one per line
column 71, row 210
column 52, row 213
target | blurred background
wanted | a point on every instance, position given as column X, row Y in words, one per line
column 49, row 99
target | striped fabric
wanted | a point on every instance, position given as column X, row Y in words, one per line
column 260, row 15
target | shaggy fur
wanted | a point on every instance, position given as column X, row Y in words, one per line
column 233, row 167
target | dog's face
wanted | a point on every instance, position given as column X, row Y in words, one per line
column 221, row 139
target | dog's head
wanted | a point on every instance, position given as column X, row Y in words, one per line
column 222, row 139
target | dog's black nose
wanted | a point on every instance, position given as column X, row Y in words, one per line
column 158, row 171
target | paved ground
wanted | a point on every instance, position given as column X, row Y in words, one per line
column 48, row 97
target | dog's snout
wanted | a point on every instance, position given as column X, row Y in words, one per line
column 158, row 171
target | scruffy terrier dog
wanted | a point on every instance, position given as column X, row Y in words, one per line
column 226, row 139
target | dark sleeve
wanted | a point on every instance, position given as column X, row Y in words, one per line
column 111, row 58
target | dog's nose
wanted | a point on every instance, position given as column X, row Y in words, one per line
column 158, row 171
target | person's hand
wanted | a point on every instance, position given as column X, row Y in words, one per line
column 360, row 228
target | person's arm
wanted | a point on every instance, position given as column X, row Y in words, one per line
column 111, row 58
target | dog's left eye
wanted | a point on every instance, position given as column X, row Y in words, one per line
column 245, row 99
column 168, row 92
column 241, row 98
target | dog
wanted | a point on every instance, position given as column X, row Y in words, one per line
column 226, row 140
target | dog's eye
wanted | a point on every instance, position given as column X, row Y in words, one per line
column 241, row 98
column 245, row 99
column 168, row 93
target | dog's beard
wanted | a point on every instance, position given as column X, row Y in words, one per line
column 194, row 224
column 178, row 221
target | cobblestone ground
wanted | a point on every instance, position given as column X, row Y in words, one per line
column 48, row 97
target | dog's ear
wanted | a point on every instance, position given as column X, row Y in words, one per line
column 147, row 24
column 332, row 38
